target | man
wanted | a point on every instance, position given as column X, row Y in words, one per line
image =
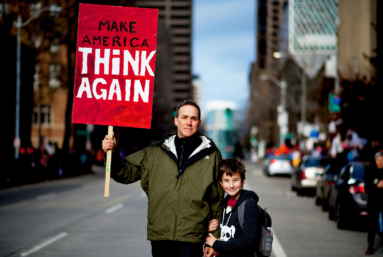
column 374, row 189
column 179, row 174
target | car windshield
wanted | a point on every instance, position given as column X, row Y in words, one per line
column 279, row 157
column 317, row 162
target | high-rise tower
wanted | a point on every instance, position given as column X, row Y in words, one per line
column 177, row 16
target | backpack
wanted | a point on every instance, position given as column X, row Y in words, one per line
column 266, row 241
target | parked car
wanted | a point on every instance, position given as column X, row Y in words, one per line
column 347, row 198
column 278, row 165
column 325, row 181
column 304, row 177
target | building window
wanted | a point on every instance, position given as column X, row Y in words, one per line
column 34, row 8
column 184, row 8
column 181, row 17
column 4, row 9
column 182, row 54
column 182, row 90
column 180, row 26
column 181, row 81
column 36, row 77
column 181, row 72
column 262, row 62
column 154, row 7
column 262, row 46
column 178, row 99
column 55, row 46
column 181, row 35
column 182, row 44
column 182, row 63
column 42, row 115
column 54, row 75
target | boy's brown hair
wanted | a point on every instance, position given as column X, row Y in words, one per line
column 230, row 167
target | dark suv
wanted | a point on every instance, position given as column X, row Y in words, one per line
column 347, row 198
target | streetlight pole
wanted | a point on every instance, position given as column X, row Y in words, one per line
column 303, row 105
column 19, row 24
column 282, row 114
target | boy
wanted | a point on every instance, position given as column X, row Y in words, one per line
column 234, row 240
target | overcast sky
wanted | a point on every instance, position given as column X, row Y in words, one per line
column 223, row 48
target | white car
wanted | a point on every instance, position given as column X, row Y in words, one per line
column 280, row 165
column 305, row 176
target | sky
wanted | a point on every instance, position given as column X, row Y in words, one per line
column 223, row 49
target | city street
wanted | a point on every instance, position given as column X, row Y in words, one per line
column 71, row 217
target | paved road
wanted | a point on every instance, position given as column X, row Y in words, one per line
column 70, row 217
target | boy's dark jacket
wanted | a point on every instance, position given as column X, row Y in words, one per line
column 245, row 240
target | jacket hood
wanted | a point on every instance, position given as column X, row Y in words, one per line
column 205, row 148
column 245, row 194
column 207, row 144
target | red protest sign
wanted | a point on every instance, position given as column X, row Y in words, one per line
column 115, row 64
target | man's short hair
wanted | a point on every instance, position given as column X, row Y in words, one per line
column 380, row 153
column 230, row 167
column 188, row 102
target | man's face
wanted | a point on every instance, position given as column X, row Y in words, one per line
column 187, row 121
column 379, row 162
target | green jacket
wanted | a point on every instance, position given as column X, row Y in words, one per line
column 179, row 201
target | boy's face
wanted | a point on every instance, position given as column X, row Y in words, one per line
column 232, row 185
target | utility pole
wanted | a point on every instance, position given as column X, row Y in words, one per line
column 282, row 113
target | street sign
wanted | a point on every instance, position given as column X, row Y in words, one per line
column 283, row 118
column 334, row 103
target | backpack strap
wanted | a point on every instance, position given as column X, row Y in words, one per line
column 241, row 213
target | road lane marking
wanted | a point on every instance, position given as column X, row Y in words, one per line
column 114, row 208
column 45, row 196
column 277, row 248
column 46, row 243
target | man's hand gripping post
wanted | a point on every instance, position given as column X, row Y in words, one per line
column 109, row 147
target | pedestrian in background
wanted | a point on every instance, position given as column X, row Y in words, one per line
column 374, row 189
column 179, row 174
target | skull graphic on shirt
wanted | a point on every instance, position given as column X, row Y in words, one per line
column 227, row 232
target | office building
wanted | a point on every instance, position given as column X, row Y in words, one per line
column 177, row 16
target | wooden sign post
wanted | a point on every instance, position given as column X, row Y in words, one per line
column 108, row 163
column 115, row 64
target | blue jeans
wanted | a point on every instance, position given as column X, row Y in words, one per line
column 176, row 249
